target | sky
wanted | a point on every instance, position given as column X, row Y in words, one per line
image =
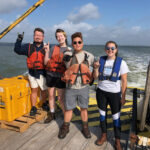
column 125, row 21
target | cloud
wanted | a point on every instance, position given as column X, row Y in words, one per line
column 24, row 26
column 100, row 34
column 86, row 12
column 91, row 34
column 136, row 28
column 7, row 6
column 71, row 27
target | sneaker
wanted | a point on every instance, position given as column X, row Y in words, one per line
column 33, row 111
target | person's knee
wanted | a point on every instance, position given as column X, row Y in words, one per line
column 34, row 90
column 83, row 109
column 44, row 93
column 67, row 112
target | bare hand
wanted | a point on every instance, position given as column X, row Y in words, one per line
column 96, row 65
column 46, row 47
column 123, row 102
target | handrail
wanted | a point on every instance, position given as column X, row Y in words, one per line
column 17, row 21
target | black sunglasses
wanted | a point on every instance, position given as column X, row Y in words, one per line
column 79, row 42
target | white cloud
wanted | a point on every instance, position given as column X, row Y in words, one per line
column 136, row 28
column 91, row 35
column 71, row 27
column 24, row 26
column 86, row 12
column 7, row 6
column 99, row 34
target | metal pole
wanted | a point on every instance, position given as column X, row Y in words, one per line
column 17, row 21
column 134, row 113
column 133, row 130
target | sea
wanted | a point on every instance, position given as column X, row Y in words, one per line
column 137, row 58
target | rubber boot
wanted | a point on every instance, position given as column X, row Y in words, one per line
column 64, row 130
column 85, row 130
column 101, row 140
column 50, row 117
column 117, row 144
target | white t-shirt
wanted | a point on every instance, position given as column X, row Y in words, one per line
column 110, row 86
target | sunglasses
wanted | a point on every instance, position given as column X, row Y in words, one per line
column 110, row 48
column 79, row 42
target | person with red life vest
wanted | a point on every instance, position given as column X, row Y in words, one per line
column 111, row 72
column 35, row 62
column 77, row 76
column 55, row 68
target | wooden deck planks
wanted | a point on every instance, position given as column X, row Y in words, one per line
column 16, row 140
column 45, row 136
column 57, row 144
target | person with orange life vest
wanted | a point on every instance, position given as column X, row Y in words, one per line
column 77, row 76
column 55, row 68
column 111, row 72
column 35, row 62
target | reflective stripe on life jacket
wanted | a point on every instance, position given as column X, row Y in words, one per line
column 35, row 59
column 75, row 70
column 115, row 71
column 56, row 63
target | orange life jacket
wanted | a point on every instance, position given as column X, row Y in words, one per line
column 56, row 63
column 35, row 60
column 75, row 70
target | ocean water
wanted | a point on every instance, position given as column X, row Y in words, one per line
column 137, row 58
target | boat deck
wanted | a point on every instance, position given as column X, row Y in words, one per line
column 42, row 136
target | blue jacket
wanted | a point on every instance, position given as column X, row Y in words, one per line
column 115, row 72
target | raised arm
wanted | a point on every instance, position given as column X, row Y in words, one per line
column 19, row 48
column 47, row 50
column 95, row 69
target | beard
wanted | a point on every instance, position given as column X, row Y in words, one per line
column 37, row 42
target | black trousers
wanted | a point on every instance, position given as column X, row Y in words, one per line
column 114, row 100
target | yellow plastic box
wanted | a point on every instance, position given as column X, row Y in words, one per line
column 15, row 98
column 10, row 101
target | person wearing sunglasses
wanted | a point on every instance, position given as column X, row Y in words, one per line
column 111, row 72
column 55, row 67
column 77, row 76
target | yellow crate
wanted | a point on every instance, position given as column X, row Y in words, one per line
column 25, row 78
column 10, row 102
column 22, row 92
column 15, row 98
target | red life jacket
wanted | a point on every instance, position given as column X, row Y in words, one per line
column 35, row 60
column 56, row 63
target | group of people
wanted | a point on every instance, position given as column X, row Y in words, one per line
column 68, row 71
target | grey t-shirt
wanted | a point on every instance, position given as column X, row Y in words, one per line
column 62, row 50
